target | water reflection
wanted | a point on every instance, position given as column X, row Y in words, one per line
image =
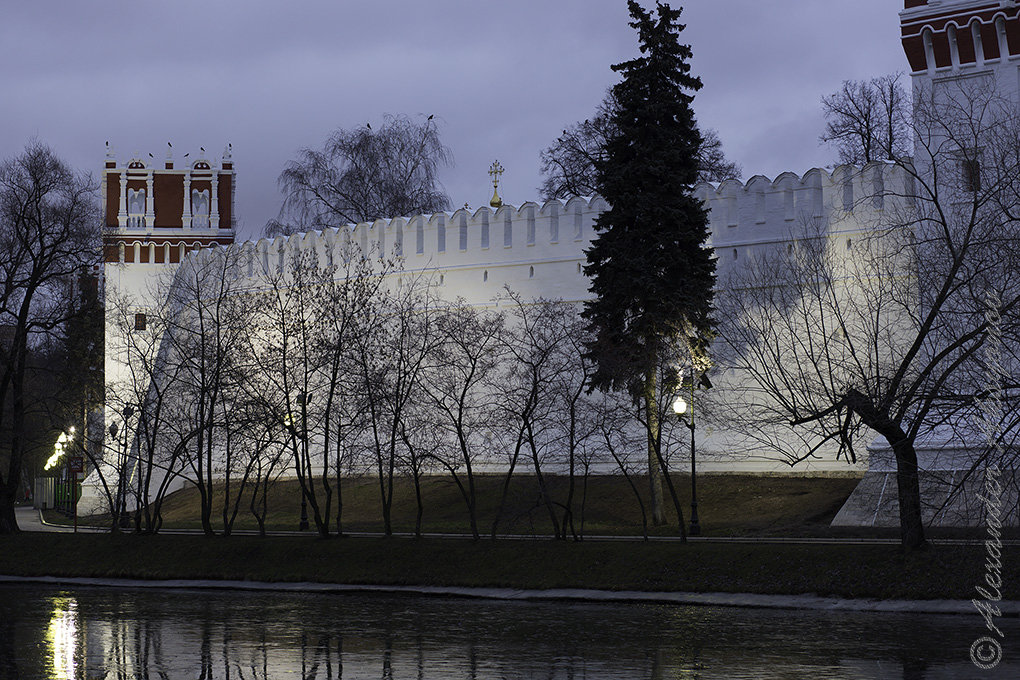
column 62, row 637
column 114, row 633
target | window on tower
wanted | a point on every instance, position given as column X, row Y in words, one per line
column 139, row 322
column 200, row 208
column 136, row 207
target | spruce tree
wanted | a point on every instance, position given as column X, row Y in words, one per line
column 652, row 273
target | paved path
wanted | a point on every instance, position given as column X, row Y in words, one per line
column 30, row 519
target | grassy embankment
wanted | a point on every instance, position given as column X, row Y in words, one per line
column 728, row 505
column 827, row 570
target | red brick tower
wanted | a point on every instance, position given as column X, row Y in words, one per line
column 155, row 215
column 942, row 36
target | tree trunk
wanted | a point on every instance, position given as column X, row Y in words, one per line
column 8, row 521
column 339, row 503
column 654, row 473
column 506, row 482
column 419, row 505
column 543, row 490
column 681, row 524
column 908, row 487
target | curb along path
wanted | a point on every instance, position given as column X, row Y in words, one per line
column 811, row 602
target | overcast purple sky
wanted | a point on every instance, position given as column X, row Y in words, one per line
column 504, row 78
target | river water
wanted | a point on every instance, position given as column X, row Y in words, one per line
column 78, row 633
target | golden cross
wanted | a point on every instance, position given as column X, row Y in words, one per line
column 495, row 170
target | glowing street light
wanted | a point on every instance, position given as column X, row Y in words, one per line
column 59, row 449
column 679, row 406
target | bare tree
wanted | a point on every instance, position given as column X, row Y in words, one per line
column 887, row 334
column 48, row 233
column 207, row 319
column 390, row 362
column 363, row 174
column 149, row 384
column 615, row 429
column 460, row 382
column 286, row 347
column 349, row 299
column 534, row 343
column 577, row 413
column 548, row 414
column 868, row 120
column 568, row 165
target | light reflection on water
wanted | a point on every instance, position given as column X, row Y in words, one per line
column 62, row 637
column 79, row 633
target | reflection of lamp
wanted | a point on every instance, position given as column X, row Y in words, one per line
column 63, row 637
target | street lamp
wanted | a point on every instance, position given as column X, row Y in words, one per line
column 680, row 408
column 60, row 447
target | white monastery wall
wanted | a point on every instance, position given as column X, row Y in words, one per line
column 536, row 249
column 539, row 251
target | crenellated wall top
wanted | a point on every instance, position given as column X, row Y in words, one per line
column 765, row 209
column 529, row 231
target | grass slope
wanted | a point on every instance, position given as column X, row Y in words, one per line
column 728, row 505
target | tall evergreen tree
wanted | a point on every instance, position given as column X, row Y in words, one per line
column 651, row 271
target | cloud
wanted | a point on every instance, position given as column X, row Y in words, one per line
column 505, row 78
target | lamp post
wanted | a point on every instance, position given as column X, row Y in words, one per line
column 59, row 449
column 679, row 408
